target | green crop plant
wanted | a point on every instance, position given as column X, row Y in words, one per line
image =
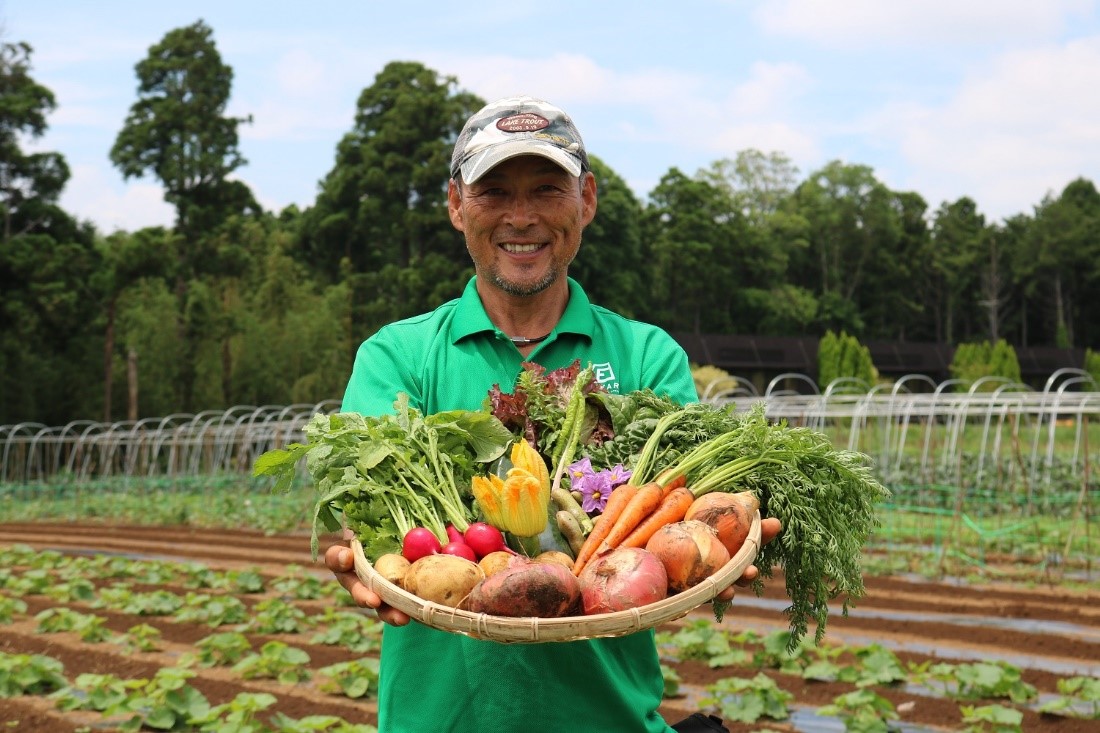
column 862, row 711
column 354, row 679
column 748, row 700
column 212, row 610
column 276, row 660
column 1078, row 697
column 223, row 649
column 10, row 608
column 991, row 719
column 30, row 674
column 276, row 616
column 352, row 630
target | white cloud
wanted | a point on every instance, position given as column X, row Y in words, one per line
column 90, row 196
column 1023, row 125
column 879, row 23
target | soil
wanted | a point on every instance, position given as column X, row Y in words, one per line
column 1049, row 632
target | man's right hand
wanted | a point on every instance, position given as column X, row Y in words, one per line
column 339, row 559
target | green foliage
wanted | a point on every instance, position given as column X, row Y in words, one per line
column 1078, row 697
column 748, row 700
column 275, row 660
column 353, row 630
column 974, row 361
column 711, row 381
column 223, row 649
column 355, row 679
column 982, row 680
column 30, row 674
column 236, row 716
column 1092, row 366
column 862, row 711
column 991, row 719
column 276, row 616
column 177, row 130
column 844, row 357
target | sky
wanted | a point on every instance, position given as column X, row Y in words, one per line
column 998, row 100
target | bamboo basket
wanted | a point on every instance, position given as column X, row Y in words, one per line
column 532, row 630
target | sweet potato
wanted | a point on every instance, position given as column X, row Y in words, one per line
column 527, row 588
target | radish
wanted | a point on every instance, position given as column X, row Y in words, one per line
column 453, row 534
column 461, row 549
column 419, row 542
column 484, row 538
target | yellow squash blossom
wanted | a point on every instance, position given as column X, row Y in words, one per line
column 519, row 504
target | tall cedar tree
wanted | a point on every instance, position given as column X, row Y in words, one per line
column 178, row 131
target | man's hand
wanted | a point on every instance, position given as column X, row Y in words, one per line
column 769, row 528
column 339, row 559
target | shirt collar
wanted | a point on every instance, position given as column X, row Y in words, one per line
column 471, row 318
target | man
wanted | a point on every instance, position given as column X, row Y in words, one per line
column 522, row 193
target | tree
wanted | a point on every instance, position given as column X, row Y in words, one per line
column 380, row 219
column 29, row 183
column 958, row 236
column 757, row 183
column 851, row 224
column 694, row 240
column 178, row 131
column 612, row 261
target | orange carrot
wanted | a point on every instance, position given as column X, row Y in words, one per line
column 618, row 499
column 643, row 504
column 671, row 509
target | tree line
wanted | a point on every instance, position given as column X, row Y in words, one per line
column 237, row 305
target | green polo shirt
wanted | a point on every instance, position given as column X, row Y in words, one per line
column 436, row 681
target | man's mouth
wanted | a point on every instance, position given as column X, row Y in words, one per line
column 520, row 249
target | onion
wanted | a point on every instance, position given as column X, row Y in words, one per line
column 730, row 515
column 690, row 552
column 626, row 577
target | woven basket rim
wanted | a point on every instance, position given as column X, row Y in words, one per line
column 531, row 630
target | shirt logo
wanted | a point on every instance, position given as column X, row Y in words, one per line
column 605, row 377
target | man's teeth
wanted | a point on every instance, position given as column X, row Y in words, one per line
column 521, row 248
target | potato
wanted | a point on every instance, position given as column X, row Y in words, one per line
column 393, row 567
column 443, row 579
column 555, row 556
column 527, row 588
column 494, row 562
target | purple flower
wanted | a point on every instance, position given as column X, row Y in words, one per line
column 580, row 469
column 618, row 475
column 594, row 488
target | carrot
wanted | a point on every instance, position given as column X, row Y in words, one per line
column 644, row 502
column 670, row 484
column 618, row 499
column 672, row 508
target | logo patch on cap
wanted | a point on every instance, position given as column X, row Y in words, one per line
column 523, row 122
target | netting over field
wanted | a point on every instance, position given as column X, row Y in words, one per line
column 983, row 471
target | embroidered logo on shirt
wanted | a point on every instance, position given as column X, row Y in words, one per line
column 605, row 376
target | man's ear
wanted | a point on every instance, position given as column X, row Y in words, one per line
column 588, row 195
column 454, row 205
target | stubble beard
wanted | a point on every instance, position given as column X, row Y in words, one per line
column 521, row 289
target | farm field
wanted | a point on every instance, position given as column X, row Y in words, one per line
column 942, row 640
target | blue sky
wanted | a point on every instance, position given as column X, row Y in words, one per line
column 993, row 99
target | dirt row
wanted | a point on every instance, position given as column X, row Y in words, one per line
column 1049, row 632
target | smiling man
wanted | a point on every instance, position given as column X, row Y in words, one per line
column 522, row 193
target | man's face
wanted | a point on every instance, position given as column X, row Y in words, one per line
column 523, row 222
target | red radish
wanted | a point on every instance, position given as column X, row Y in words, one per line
column 626, row 577
column 419, row 542
column 453, row 534
column 484, row 538
column 461, row 549
column 690, row 551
